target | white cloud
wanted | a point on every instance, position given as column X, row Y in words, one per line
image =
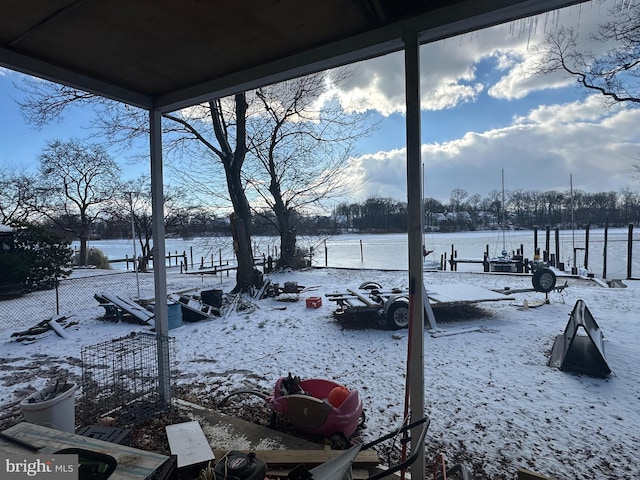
column 519, row 81
column 449, row 75
column 381, row 174
column 538, row 152
column 590, row 109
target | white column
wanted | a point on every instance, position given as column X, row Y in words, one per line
column 159, row 266
column 415, row 228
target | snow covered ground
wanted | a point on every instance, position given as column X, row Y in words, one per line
column 494, row 402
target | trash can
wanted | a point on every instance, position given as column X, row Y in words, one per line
column 53, row 407
column 175, row 315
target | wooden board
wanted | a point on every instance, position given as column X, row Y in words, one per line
column 462, row 293
column 529, row 304
column 133, row 464
column 129, row 306
column 187, row 441
column 364, row 299
column 356, row 473
column 366, row 459
column 439, row 332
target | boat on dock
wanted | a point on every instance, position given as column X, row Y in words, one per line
column 504, row 262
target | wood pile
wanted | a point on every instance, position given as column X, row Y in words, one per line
column 57, row 324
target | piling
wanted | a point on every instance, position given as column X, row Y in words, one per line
column 557, row 232
column 604, row 250
column 629, row 250
column 586, row 246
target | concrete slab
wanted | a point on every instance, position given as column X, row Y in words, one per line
column 225, row 432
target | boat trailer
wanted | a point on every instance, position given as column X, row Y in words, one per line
column 393, row 305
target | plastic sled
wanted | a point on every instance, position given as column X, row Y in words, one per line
column 318, row 406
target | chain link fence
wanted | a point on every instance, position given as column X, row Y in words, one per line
column 72, row 295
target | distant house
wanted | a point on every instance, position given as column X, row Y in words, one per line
column 6, row 238
column 464, row 216
column 458, row 217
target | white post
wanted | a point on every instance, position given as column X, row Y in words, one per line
column 133, row 237
column 159, row 267
column 415, row 228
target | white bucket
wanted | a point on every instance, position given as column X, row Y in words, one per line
column 58, row 412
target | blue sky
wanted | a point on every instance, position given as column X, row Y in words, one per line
column 482, row 111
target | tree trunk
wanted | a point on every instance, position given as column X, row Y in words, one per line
column 244, row 254
column 142, row 262
column 287, row 241
column 232, row 160
column 84, row 240
column 84, row 253
column 241, row 231
column 240, row 224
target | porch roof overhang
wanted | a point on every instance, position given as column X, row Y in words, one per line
column 171, row 54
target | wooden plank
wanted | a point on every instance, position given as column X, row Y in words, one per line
column 463, row 293
column 130, row 307
column 357, row 473
column 349, row 301
column 367, row 459
column 367, row 301
column 435, row 333
column 58, row 328
column 187, row 441
column 133, row 464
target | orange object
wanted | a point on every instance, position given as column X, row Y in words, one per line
column 337, row 395
column 314, row 302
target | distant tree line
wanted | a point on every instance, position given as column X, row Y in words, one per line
column 277, row 148
column 523, row 209
column 204, row 222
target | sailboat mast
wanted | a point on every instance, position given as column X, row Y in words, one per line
column 573, row 229
column 504, row 240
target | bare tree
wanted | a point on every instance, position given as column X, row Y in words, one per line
column 227, row 141
column 76, row 183
column 456, row 198
column 615, row 73
column 197, row 141
column 301, row 145
column 217, row 133
column 17, row 194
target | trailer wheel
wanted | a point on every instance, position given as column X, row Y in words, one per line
column 398, row 315
column 370, row 286
column 543, row 280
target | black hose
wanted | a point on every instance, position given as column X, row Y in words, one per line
column 247, row 391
